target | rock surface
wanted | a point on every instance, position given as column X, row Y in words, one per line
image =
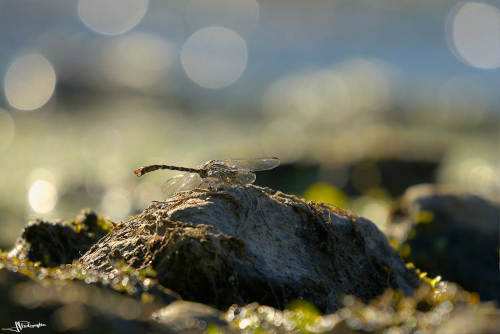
column 61, row 242
column 452, row 234
column 246, row 244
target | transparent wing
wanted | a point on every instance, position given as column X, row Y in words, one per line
column 245, row 177
column 182, row 182
column 254, row 165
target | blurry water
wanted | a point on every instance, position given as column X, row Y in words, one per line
column 94, row 89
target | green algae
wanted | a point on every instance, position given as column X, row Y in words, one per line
column 426, row 311
column 61, row 242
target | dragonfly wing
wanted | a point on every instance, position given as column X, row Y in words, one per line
column 182, row 182
column 245, row 177
column 254, row 165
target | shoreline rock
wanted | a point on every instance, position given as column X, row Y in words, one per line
column 61, row 242
column 247, row 244
column 452, row 234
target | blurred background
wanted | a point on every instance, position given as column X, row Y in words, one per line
column 359, row 99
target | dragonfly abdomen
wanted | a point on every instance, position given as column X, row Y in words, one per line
column 146, row 169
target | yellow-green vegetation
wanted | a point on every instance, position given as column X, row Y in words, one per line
column 305, row 314
column 323, row 192
column 213, row 329
column 400, row 244
column 56, row 243
column 373, row 204
column 122, row 278
column 83, row 224
column 404, row 251
column 423, row 275
column 426, row 310
column 424, row 217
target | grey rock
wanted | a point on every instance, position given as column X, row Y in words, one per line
column 245, row 244
column 451, row 234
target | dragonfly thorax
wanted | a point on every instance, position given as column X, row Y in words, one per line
column 220, row 171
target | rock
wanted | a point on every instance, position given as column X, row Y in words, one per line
column 183, row 316
column 59, row 243
column 245, row 244
column 71, row 307
column 139, row 284
column 451, row 234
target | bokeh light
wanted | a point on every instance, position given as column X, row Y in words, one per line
column 29, row 82
column 214, row 57
column 370, row 83
column 308, row 95
column 42, row 196
column 377, row 211
column 464, row 97
column 146, row 192
column 332, row 93
column 241, row 15
column 112, row 17
column 473, row 30
column 69, row 317
column 7, row 130
column 116, row 203
column 92, row 148
column 474, row 168
column 305, row 82
column 138, row 60
column 375, row 205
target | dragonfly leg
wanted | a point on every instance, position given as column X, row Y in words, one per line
column 161, row 202
column 209, row 184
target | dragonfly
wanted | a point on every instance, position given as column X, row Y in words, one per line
column 212, row 173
